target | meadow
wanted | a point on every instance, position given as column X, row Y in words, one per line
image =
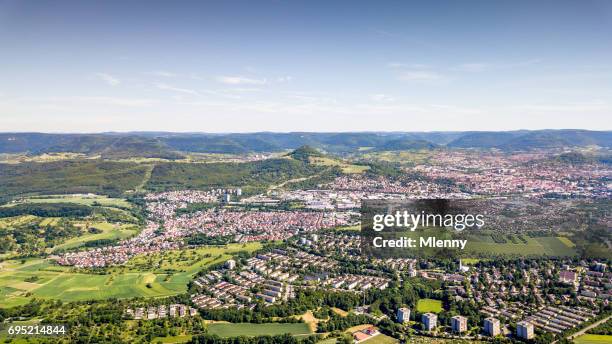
column 344, row 166
column 88, row 200
column 593, row 339
column 429, row 306
column 109, row 231
column 20, row 282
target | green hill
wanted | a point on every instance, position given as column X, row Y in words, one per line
column 304, row 153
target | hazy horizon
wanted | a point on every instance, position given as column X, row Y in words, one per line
column 305, row 66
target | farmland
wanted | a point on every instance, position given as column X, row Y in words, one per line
column 550, row 246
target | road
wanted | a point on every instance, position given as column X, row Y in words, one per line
column 583, row 331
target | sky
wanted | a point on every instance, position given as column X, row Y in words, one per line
column 328, row 66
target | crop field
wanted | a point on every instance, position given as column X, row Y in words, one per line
column 402, row 157
column 550, row 246
column 429, row 306
column 346, row 167
column 593, row 339
column 19, row 282
column 253, row 330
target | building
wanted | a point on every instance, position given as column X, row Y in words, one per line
column 492, row 327
column 230, row 264
column 568, row 277
column 403, row 315
column 524, row 330
column 459, row 324
column 430, row 321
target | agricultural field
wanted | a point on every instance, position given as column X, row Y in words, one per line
column 550, row 246
column 402, row 157
column 429, row 306
column 20, row 282
column 593, row 339
column 346, row 167
column 252, row 330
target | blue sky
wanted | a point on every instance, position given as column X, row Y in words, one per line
column 244, row 66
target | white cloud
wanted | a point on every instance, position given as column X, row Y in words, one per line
column 472, row 67
column 476, row 67
column 286, row 78
column 239, row 80
column 381, row 97
column 164, row 74
column 166, row 87
column 420, row 75
column 109, row 79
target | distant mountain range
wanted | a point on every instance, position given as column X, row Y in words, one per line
column 172, row 145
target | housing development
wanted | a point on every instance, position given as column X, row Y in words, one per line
column 211, row 251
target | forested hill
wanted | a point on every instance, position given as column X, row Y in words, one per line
column 173, row 145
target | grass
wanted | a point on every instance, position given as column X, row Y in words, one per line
column 55, row 282
column 593, row 339
column 187, row 260
column 471, row 261
column 550, row 246
column 402, row 157
column 109, row 231
column 429, row 306
column 381, row 339
column 78, row 199
column 172, row 339
column 252, row 330
column 567, row 242
column 346, row 167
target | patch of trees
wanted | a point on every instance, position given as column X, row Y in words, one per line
column 278, row 339
column 339, row 323
column 256, row 174
column 604, row 329
column 200, row 239
column 47, row 210
column 68, row 177
column 304, row 300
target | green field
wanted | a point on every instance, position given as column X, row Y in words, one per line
column 381, row 339
column 346, row 167
column 551, row 246
column 56, row 282
column 109, row 231
column 252, row 330
column 429, row 306
column 77, row 199
column 593, row 339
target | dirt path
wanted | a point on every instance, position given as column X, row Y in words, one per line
column 593, row 325
column 145, row 180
